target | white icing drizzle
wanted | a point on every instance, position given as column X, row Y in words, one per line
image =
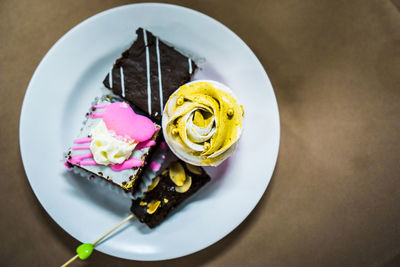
column 190, row 65
column 110, row 78
column 121, row 70
column 159, row 76
column 148, row 72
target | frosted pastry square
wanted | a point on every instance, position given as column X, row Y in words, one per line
column 81, row 154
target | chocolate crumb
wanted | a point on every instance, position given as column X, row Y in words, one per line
column 69, row 164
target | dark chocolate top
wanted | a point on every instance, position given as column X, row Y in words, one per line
column 165, row 192
column 149, row 68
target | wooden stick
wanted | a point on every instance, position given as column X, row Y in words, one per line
column 101, row 238
column 115, row 227
column 70, row 260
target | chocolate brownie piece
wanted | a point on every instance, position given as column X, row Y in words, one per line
column 148, row 73
column 175, row 184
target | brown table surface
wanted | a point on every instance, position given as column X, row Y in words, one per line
column 334, row 199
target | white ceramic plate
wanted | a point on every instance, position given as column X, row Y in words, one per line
column 71, row 75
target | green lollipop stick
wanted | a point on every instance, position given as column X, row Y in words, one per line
column 86, row 249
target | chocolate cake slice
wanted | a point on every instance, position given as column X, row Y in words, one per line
column 148, row 73
column 175, row 184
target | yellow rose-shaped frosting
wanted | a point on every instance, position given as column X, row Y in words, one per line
column 202, row 122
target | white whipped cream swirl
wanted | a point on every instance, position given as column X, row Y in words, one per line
column 107, row 149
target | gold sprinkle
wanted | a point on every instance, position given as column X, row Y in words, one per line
column 230, row 112
column 153, row 206
column 194, row 169
column 185, row 187
column 241, row 107
column 142, row 203
column 165, row 200
column 164, row 172
column 179, row 101
column 175, row 131
column 206, row 146
column 128, row 185
column 177, row 173
column 153, row 184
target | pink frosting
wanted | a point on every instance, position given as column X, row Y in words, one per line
column 145, row 144
column 155, row 166
column 84, row 160
column 80, row 147
column 79, row 159
column 163, row 145
column 127, row 164
column 120, row 118
column 83, row 141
